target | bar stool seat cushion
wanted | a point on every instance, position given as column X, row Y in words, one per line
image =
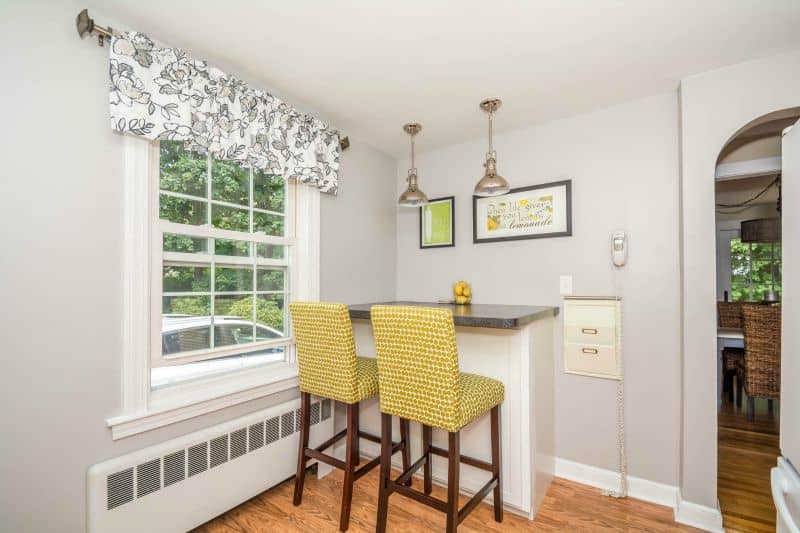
column 366, row 377
column 478, row 395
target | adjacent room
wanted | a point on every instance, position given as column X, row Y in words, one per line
column 428, row 266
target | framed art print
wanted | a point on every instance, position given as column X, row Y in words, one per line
column 533, row 212
column 436, row 223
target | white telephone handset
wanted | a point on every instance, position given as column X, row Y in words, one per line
column 619, row 248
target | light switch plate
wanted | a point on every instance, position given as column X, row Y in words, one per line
column 565, row 285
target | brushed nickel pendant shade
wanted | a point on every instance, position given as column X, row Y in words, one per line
column 412, row 196
column 492, row 183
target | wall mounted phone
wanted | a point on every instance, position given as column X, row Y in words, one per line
column 619, row 248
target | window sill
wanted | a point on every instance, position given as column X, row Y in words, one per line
column 182, row 402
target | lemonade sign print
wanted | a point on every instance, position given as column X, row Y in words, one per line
column 521, row 213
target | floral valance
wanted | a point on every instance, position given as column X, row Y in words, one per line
column 163, row 93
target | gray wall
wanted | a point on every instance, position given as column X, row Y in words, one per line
column 61, row 195
column 624, row 165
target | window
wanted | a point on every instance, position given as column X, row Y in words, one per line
column 221, row 247
column 755, row 269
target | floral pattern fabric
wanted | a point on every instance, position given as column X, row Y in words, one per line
column 163, row 93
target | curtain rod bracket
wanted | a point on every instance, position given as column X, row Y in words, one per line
column 86, row 26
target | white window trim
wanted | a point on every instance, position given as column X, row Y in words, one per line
column 143, row 409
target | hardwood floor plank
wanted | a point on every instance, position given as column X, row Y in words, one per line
column 567, row 506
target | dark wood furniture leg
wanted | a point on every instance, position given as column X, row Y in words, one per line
column 405, row 431
column 427, row 434
column 351, row 462
column 386, row 472
column 496, row 464
column 305, row 424
column 453, row 470
column 751, row 408
column 739, row 392
column 770, row 406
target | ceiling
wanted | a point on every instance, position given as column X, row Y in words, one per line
column 369, row 66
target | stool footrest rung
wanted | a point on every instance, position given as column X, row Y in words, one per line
column 476, row 499
column 376, row 461
column 369, row 436
column 471, row 461
column 421, row 497
column 331, row 441
column 405, row 476
column 325, row 458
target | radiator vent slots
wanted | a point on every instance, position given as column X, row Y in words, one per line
column 123, row 486
column 148, row 477
column 174, row 467
column 119, row 488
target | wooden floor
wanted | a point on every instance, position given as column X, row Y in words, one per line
column 747, row 451
column 567, row 506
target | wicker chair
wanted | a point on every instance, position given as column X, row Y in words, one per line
column 760, row 372
column 730, row 316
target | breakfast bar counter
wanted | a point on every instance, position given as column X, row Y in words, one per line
column 513, row 344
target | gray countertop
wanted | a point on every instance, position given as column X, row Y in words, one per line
column 474, row 315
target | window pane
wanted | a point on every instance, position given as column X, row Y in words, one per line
column 186, row 278
column 233, row 279
column 184, row 243
column 755, row 269
column 270, row 313
column 230, row 182
column 182, row 170
column 231, row 248
column 233, row 316
column 269, row 224
column 270, row 279
column 269, row 191
column 231, row 218
column 185, row 324
column 182, row 211
column 271, row 251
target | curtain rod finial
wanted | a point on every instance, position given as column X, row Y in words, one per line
column 83, row 23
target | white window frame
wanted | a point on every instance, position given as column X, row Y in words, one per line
column 144, row 409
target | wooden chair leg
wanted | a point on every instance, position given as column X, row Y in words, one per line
column 729, row 383
column 770, row 406
column 305, row 424
column 427, row 433
column 453, row 468
column 497, row 464
column 350, row 464
column 405, row 431
column 751, row 408
column 739, row 392
column 386, row 472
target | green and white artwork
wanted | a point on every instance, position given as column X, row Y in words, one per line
column 436, row 220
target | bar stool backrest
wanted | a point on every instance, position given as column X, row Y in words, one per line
column 762, row 350
column 326, row 350
column 418, row 374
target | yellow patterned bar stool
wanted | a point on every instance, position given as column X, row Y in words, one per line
column 329, row 367
column 419, row 380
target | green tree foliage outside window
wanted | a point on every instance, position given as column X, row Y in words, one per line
column 752, row 267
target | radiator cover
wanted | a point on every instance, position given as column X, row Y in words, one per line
column 182, row 483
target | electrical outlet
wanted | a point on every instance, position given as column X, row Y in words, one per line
column 565, row 285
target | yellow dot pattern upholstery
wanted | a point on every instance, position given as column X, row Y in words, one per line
column 418, row 369
column 326, row 353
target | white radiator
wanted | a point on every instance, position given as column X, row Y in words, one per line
column 182, row 483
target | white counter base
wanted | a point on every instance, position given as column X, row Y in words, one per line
column 523, row 360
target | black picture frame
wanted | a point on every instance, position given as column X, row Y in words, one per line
column 567, row 184
column 451, row 200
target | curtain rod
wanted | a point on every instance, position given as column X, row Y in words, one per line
column 86, row 26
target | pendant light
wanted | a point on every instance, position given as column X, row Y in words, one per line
column 412, row 196
column 492, row 183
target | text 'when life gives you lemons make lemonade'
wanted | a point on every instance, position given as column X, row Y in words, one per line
column 522, row 213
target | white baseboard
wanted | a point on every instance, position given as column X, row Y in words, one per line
column 706, row 518
column 699, row 516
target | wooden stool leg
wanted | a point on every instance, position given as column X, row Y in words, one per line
column 770, row 406
column 386, row 472
column 751, row 408
column 305, row 424
column 496, row 464
column 405, row 430
column 454, row 464
column 350, row 463
column 739, row 391
column 427, row 433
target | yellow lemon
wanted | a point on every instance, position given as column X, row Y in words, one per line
column 467, row 291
